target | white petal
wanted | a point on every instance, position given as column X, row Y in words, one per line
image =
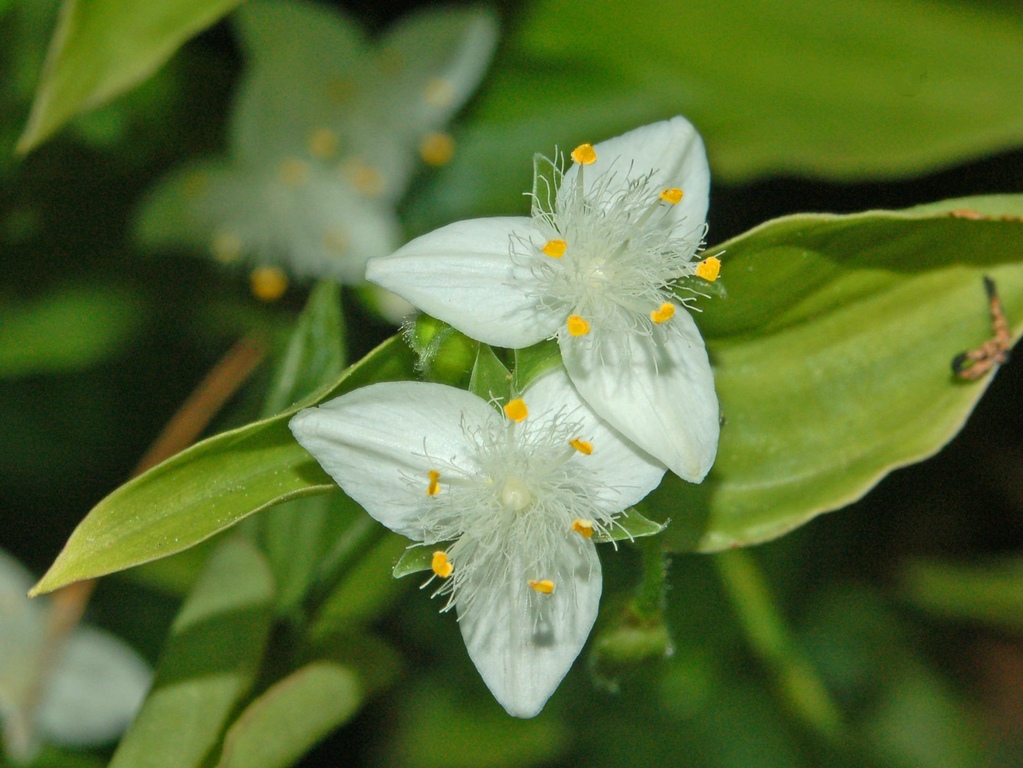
column 380, row 442
column 464, row 275
column 673, row 150
column 95, row 691
column 659, row 395
column 622, row 474
column 523, row 642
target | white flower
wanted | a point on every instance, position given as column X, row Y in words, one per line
column 82, row 692
column 325, row 134
column 594, row 266
column 509, row 499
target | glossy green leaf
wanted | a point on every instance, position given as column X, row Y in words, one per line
column 986, row 592
column 208, row 487
column 291, row 717
column 832, row 357
column 104, row 47
column 210, row 661
column 857, row 89
column 65, row 330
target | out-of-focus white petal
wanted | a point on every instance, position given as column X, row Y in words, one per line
column 659, row 395
column 380, row 442
column 95, row 691
column 621, row 473
column 464, row 275
column 524, row 642
column 304, row 60
column 672, row 150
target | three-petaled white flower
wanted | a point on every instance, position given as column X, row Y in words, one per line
column 510, row 501
column 595, row 266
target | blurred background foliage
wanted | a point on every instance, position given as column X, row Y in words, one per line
column 887, row 634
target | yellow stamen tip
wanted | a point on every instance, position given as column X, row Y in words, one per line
column 672, row 195
column 584, row 154
column 268, row 283
column 293, row 172
column 434, row 487
column 437, row 149
column 364, row 177
column 322, row 143
column 335, row 240
column 516, row 410
column 554, row 248
column 664, row 313
column 584, row 447
column 583, row 527
column 543, row 586
column 578, row 326
column 441, row 565
column 709, row 269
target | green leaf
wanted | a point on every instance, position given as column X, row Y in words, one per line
column 315, row 353
column 211, row 659
column 533, row 362
column 850, row 90
column 104, row 47
column 629, row 525
column 291, row 717
column 209, row 487
column 489, row 378
column 832, row 357
column 68, row 329
column 989, row 592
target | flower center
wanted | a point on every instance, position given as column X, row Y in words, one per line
column 515, row 495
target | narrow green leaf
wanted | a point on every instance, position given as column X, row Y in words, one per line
column 291, row 717
column 415, row 559
column 832, row 357
column 489, row 378
column 987, row 592
column 315, row 353
column 629, row 525
column 211, row 660
column 65, row 330
column 208, row 487
column 104, row 47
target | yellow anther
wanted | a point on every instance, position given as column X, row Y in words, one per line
column 584, row 447
column 434, row 487
column 664, row 313
column 268, row 283
column 583, row 527
column 439, row 93
column 322, row 143
column 584, row 154
column 516, row 410
column 578, row 326
column 709, row 269
column 335, row 240
column 554, row 248
column 437, row 149
column 441, row 565
column 293, row 172
column 543, row 586
column 226, row 247
column 672, row 195
column 363, row 177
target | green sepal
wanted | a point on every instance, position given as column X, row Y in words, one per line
column 629, row 525
column 490, row 379
column 533, row 362
column 417, row 558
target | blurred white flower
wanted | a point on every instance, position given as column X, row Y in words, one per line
column 78, row 691
column 325, row 135
column 509, row 499
column 596, row 266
